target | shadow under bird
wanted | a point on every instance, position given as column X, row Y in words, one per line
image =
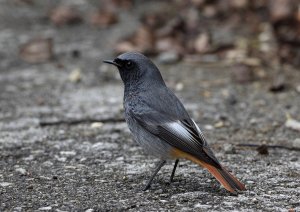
column 159, row 122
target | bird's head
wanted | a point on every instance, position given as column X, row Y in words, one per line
column 136, row 68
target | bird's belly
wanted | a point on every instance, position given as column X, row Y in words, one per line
column 150, row 143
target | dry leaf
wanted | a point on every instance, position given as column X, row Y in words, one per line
column 239, row 4
column 126, row 4
column 202, row 43
column 141, row 41
column 63, row 15
column 280, row 9
column 103, row 18
column 263, row 149
column 144, row 39
column 124, row 46
column 37, row 50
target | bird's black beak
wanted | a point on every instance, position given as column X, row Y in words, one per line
column 112, row 62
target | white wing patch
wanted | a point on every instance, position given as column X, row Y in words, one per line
column 199, row 131
column 179, row 130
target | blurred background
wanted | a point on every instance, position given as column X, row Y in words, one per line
column 252, row 33
column 234, row 64
column 52, row 48
column 256, row 37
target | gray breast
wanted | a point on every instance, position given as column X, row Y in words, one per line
column 149, row 142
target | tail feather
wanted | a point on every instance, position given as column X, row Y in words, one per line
column 219, row 175
column 232, row 179
column 230, row 183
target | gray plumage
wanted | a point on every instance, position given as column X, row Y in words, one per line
column 156, row 118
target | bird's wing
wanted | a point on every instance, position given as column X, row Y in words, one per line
column 182, row 134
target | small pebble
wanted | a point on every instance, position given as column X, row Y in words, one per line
column 5, row 184
column 294, row 159
column 96, row 125
column 179, row 86
column 30, row 187
column 208, row 127
column 75, row 75
column 296, row 143
column 292, row 124
column 68, row 153
column 229, row 149
column 253, row 121
column 21, row 171
column 219, row 124
column 45, row 208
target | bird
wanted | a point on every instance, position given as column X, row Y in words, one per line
column 159, row 122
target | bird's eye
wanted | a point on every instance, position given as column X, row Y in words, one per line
column 129, row 64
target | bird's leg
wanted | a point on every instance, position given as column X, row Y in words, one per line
column 174, row 169
column 157, row 168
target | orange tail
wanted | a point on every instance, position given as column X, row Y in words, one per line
column 229, row 182
column 225, row 178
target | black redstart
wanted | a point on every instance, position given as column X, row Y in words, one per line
column 159, row 122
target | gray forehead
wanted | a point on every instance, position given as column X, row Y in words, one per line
column 135, row 56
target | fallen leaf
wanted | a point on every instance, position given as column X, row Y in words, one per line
column 298, row 14
column 126, row 4
column 280, row 9
column 37, row 50
column 63, row 15
column 124, row 46
column 202, row 43
column 263, row 149
column 210, row 11
column 142, row 41
column 103, row 18
column 239, row 4
column 198, row 3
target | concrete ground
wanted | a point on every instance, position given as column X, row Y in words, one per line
column 64, row 146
